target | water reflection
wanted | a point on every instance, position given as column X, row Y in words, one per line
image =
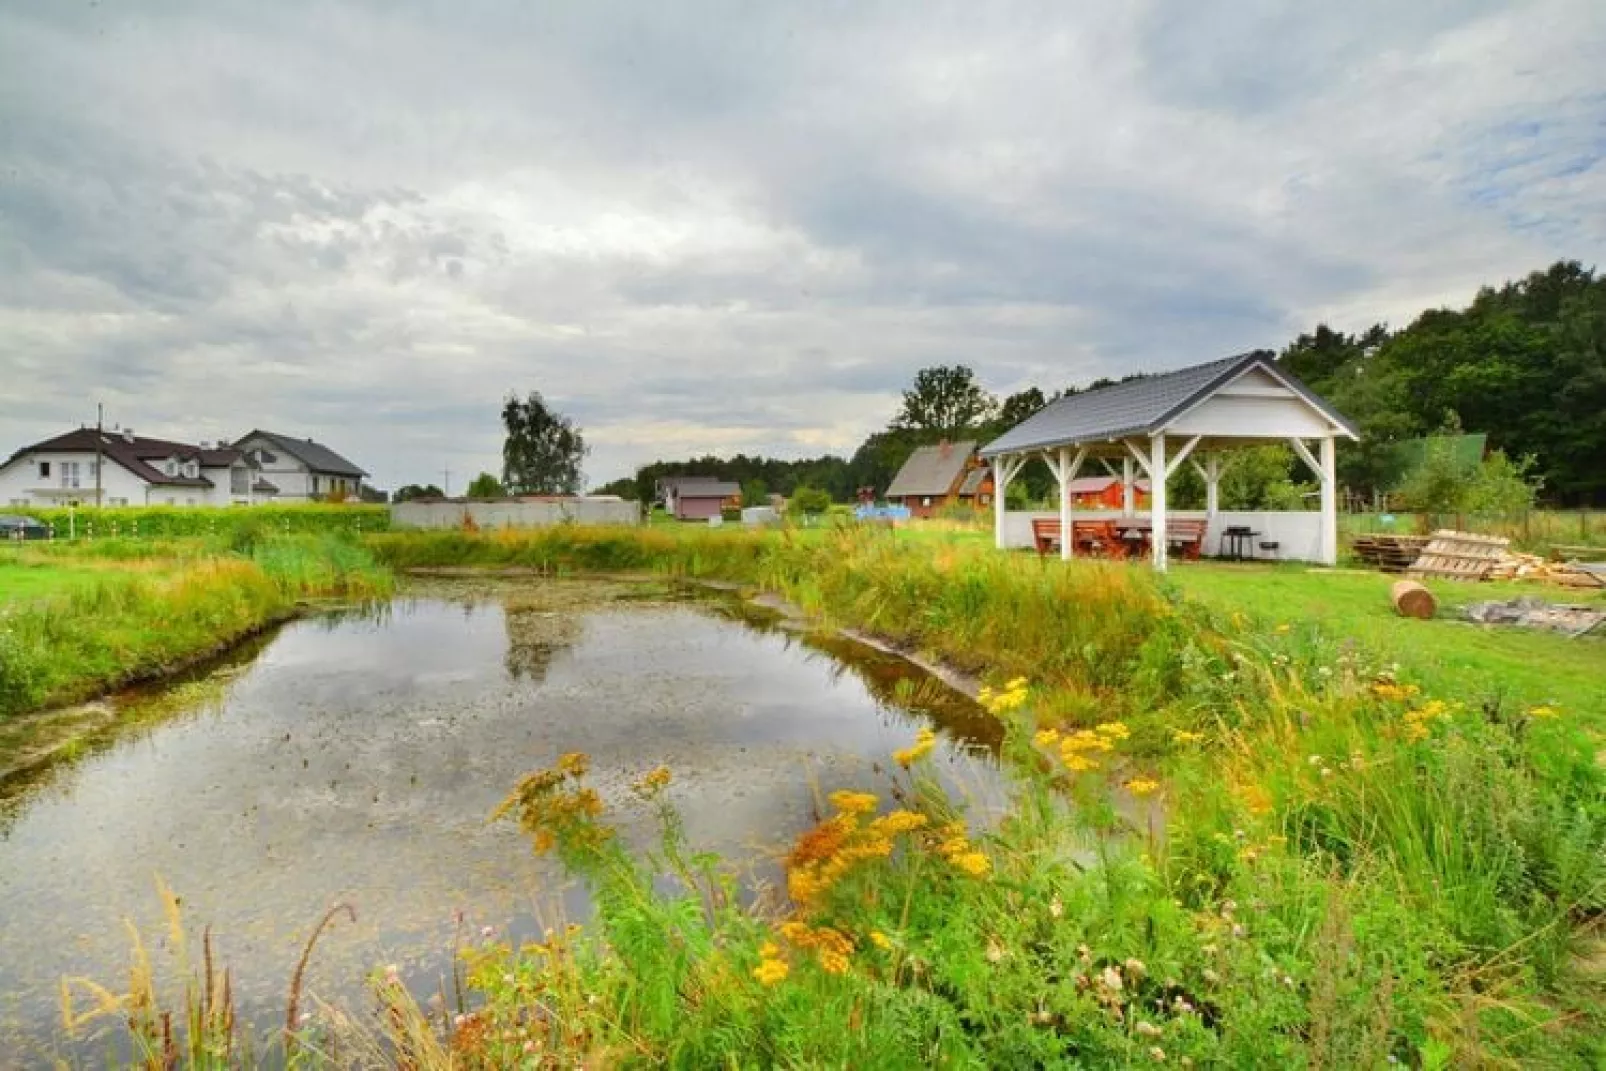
column 356, row 756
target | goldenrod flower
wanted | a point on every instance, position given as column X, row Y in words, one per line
column 771, row 971
column 893, row 823
column 1183, row 736
column 973, row 863
column 880, row 940
column 1113, row 729
column 575, row 764
column 1046, row 737
column 925, row 740
column 1141, row 786
column 854, row 802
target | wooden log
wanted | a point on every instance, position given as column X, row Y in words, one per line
column 1413, row 600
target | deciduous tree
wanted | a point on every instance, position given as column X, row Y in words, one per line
column 543, row 449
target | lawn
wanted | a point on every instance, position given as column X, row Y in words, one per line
column 25, row 576
column 1451, row 656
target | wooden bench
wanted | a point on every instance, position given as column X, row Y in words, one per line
column 1188, row 534
column 1045, row 534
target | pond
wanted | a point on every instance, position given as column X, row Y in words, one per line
column 355, row 757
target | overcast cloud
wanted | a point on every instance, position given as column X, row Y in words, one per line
column 705, row 226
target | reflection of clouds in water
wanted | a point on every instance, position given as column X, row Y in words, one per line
column 358, row 761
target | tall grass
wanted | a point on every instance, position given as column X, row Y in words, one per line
column 162, row 522
column 129, row 625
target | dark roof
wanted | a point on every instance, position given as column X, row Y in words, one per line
column 315, row 456
column 1140, row 406
column 705, row 488
column 931, row 470
column 263, row 487
column 974, row 479
column 137, row 454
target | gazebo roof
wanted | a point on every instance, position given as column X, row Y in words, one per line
column 1147, row 405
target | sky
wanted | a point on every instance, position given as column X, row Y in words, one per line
column 702, row 226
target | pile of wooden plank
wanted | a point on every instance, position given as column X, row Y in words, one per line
column 1518, row 566
column 1390, row 553
column 1459, row 556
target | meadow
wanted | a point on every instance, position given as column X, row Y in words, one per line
column 1366, row 841
column 1260, row 822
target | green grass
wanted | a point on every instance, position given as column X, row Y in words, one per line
column 1451, row 656
column 85, row 621
column 25, row 577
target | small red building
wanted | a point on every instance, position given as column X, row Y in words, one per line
column 939, row 476
column 1104, row 492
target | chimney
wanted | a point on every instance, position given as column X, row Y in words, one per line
column 128, row 435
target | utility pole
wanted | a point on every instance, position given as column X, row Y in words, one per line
column 446, row 483
column 100, row 421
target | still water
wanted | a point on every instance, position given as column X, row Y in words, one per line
column 355, row 758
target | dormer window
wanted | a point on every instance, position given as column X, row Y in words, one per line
column 171, row 468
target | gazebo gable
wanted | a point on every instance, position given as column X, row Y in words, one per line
column 1258, row 400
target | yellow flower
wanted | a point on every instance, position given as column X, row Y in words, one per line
column 1141, row 786
column 973, row 863
column 1284, row 628
column 1113, row 729
column 833, row 961
column 1078, row 763
column 653, row 782
column 1046, row 737
column 854, row 802
column 1183, row 736
column 771, row 971
column 893, row 823
column 925, row 740
column 770, row 950
column 575, row 764
column 1016, row 685
column 1543, row 712
column 880, row 940
column 795, row 932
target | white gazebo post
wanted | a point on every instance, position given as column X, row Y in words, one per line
column 1005, row 466
column 1065, row 467
column 1128, row 498
column 1157, row 500
column 1329, row 501
column 1326, row 472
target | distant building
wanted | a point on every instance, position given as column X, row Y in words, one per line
column 939, row 476
column 302, row 470
column 133, row 471
column 1104, row 492
column 697, row 498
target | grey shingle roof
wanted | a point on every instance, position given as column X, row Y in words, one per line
column 931, row 470
column 1138, row 406
column 974, row 479
column 708, row 489
column 315, row 456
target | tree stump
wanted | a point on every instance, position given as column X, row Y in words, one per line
column 1413, row 600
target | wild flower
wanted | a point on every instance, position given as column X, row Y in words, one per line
column 1157, row 1054
column 575, row 764
column 1046, row 737
column 973, row 863
column 1011, row 698
column 1384, row 688
column 655, row 781
column 771, row 971
column 1183, row 736
column 854, row 802
column 880, row 940
column 1141, row 786
column 925, row 740
column 1542, row 711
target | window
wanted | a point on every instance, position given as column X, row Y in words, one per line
column 118, row 501
column 171, row 501
column 171, row 468
column 315, row 485
column 44, row 470
column 69, row 474
column 240, row 480
column 926, row 501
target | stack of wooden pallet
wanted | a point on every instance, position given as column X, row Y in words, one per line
column 1460, row 556
column 1390, row 553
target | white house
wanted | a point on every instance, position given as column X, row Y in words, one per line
column 134, row 471
column 301, row 469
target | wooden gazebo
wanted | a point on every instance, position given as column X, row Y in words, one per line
column 1155, row 424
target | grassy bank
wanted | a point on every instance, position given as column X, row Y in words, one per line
column 1374, row 850
column 88, row 618
column 165, row 522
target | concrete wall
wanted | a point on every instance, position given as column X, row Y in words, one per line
column 512, row 513
column 1300, row 534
